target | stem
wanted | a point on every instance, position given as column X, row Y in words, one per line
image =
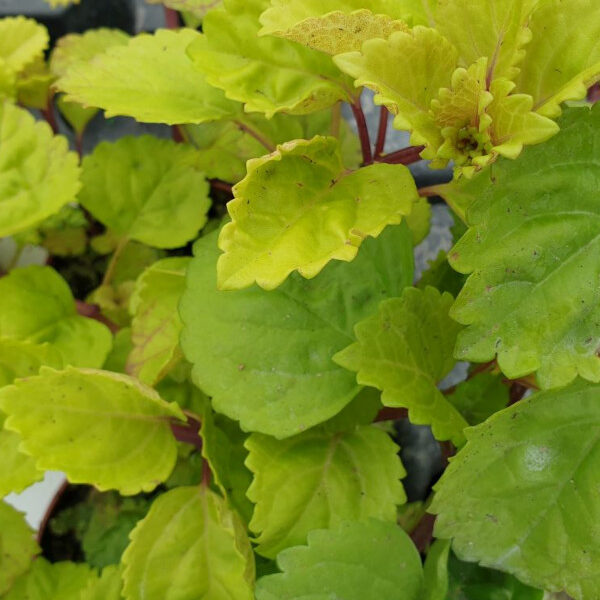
column 206, row 474
column 222, row 186
column 363, row 132
column 391, row 414
column 177, row 134
column 406, row 156
column 256, row 135
column 422, row 534
column 48, row 114
column 79, row 144
column 429, row 191
column 92, row 311
column 171, row 18
column 110, row 270
column 382, row 131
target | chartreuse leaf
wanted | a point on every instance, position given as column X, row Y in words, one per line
column 327, row 214
column 333, row 26
column 105, row 587
column 521, row 495
column 156, row 324
column 55, row 3
column 146, row 189
column 150, row 79
column 19, row 359
column 563, row 57
column 22, row 41
column 36, row 305
column 532, row 254
column 368, row 560
column 198, row 8
column 57, row 581
column 17, row 546
column 265, row 357
column 405, row 350
column 38, row 175
column 100, row 428
column 318, row 479
column 268, row 74
column 190, row 545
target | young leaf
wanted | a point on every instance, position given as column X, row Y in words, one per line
column 265, row 357
column 146, row 189
column 521, row 495
column 38, row 175
column 107, row 586
column 100, row 428
column 532, row 254
column 370, row 560
column 318, row 479
column 189, row 546
column 156, row 324
column 36, row 305
column 480, row 397
column 22, row 41
column 268, row 74
column 17, row 546
column 151, row 79
column 405, row 350
column 327, row 214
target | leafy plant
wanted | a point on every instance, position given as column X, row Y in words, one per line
column 228, row 323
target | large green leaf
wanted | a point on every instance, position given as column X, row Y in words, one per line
column 189, row 546
column 22, row 41
column 146, row 189
column 36, row 305
column 100, row 428
column 106, row 587
column 38, row 175
column 151, row 79
column 371, row 560
column 405, row 350
column 532, row 253
column 522, row 497
column 268, row 74
column 327, row 214
column 318, row 479
column 265, row 357
column 17, row 546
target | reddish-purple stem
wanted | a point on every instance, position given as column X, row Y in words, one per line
column 363, row 132
column 188, row 433
column 177, row 135
column 48, row 114
column 92, row 311
column 206, row 474
column 382, row 131
column 222, row 186
column 406, row 156
column 171, row 18
column 391, row 414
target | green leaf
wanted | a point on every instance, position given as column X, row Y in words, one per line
column 419, row 219
column 435, row 571
column 327, row 214
column 317, row 480
column 521, row 495
column 57, row 581
column 480, row 397
column 22, row 41
column 38, row 175
column 151, row 79
column 36, row 305
column 356, row 561
column 156, row 323
column 146, row 189
column 189, row 546
column 404, row 351
column 106, row 587
column 532, row 255
column 268, row 74
column 440, row 275
column 18, row 546
column 98, row 427
column 265, row 357
column 563, row 57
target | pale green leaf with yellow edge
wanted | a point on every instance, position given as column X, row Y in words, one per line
column 369, row 560
column 265, row 357
column 37, row 305
column 268, row 74
column 100, row 428
column 17, row 546
column 563, row 57
column 150, row 79
column 190, row 545
column 107, row 586
column 197, row 8
column 521, row 496
column 405, row 350
column 156, row 323
column 531, row 253
column 327, row 214
column 51, row 581
column 38, row 174
column 22, row 41
column 317, row 480
column 146, row 189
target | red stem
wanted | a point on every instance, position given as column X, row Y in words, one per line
column 188, row 433
column 363, row 132
column 206, row 474
column 92, row 311
column 391, row 414
column 222, row 186
column 171, row 18
column 177, row 135
column 422, row 534
column 382, row 131
column 406, row 156
column 48, row 114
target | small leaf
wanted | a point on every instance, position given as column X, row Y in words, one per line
column 404, row 351
column 151, row 79
column 86, row 422
column 146, row 189
column 435, row 571
column 480, row 397
column 327, row 214
column 371, row 560
column 189, row 546
column 441, row 276
column 105, row 587
column 521, row 495
column 22, row 41
column 319, row 479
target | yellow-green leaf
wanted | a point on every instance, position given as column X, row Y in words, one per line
column 21, row 41
column 197, row 8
